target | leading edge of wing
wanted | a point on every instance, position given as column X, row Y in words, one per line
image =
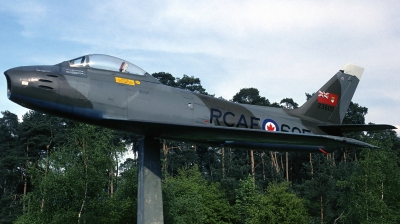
column 205, row 133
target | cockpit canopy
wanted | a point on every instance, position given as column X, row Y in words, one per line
column 106, row 62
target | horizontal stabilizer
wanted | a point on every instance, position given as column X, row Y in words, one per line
column 339, row 129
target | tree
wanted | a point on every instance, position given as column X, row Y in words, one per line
column 282, row 205
column 165, row 78
column 123, row 205
column 11, row 162
column 76, row 187
column 355, row 114
column 191, row 83
column 321, row 190
column 188, row 198
column 247, row 201
column 250, row 96
column 39, row 134
column 278, row 205
column 308, row 96
column 372, row 194
column 288, row 103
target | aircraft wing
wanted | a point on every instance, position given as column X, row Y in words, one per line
column 244, row 137
column 345, row 128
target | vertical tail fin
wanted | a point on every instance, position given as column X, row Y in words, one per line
column 330, row 103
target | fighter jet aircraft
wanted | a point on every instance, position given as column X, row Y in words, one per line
column 114, row 93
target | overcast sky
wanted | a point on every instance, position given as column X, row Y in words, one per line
column 283, row 48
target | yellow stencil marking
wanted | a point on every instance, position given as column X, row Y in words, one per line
column 125, row 81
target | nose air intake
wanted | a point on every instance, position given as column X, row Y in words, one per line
column 9, row 87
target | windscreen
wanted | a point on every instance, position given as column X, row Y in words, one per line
column 106, row 62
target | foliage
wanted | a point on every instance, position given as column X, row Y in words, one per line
column 75, row 187
column 11, row 160
column 355, row 114
column 123, row 205
column 250, row 96
column 320, row 190
column 289, row 103
column 278, row 205
column 188, row 198
column 372, row 191
column 189, row 83
column 165, row 78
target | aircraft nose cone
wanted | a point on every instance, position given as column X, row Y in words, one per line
column 13, row 76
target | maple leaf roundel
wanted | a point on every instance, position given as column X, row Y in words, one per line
column 270, row 125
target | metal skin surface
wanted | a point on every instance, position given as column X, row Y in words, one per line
column 139, row 103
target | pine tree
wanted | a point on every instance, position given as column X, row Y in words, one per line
column 11, row 160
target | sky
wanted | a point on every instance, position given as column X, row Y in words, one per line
column 283, row 48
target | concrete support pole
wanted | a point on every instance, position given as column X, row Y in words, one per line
column 150, row 204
